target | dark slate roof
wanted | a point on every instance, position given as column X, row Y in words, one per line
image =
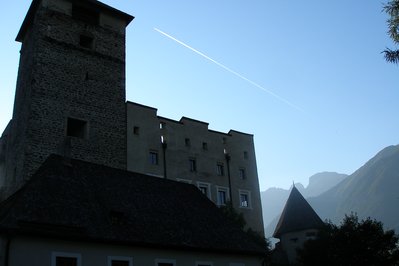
column 297, row 215
column 82, row 201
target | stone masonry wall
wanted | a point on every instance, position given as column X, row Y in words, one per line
column 59, row 79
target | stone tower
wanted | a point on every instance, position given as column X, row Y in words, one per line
column 70, row 93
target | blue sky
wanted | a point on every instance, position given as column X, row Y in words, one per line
column 322, row 57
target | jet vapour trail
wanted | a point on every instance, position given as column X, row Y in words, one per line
column 229, row 70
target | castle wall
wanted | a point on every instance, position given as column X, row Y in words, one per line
column 187, row 140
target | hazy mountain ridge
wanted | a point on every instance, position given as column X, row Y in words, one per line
column 371, row 191
column 273, row 199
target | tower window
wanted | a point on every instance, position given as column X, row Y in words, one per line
column 193, row 165
column 220, row 169
column 76, row 128
column 86, row 15
column 136, row 130
column 86, row 41
column 187, row 142
column 242, row 174
column 205, row 146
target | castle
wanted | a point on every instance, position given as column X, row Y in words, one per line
column 70, row 100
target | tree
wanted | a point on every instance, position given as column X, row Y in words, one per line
column 352, row 243
column 392, row 9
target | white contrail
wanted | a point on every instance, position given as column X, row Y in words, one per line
column 230, row 70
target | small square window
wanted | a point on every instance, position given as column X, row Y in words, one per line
column 245, row 155
column 187, row 142
column 162, row 125
column 193, row 165
column 220, row 169
column 242, row 174
column 136, row 130
column 205, row 146
column 153, row 157
column 76, row 128
column 85, row 15
column 86, row 41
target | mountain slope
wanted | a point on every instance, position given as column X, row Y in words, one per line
column 371, row 191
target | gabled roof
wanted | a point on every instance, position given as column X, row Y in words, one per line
column 297, row 215
column 77, row 200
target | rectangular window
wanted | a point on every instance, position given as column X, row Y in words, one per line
column 245, row 155
column 242, row 174
column 65, row 259
column 86, row 41
column 153, row 158
column 162, row 262
column 203, row 263
column 220, row 169
column 76, row 128
column 205, row 146
column 187, row 142
column 205, row 188
column 136, row 130
column 244, row 199
column 89, row 16
column 120, row 261
column 222, row 196
column 162, row 125
column 193, row 165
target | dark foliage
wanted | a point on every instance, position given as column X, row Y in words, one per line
column 392, row 9
column 256, row 237
column 352, row 243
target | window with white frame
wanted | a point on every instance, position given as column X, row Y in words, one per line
column 65, row 259
column 222, row 196
column 165, row 262
column 205, row 188
column 203, row 263
column 245, row 199
column 120, row 261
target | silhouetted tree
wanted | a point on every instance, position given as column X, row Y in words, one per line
column 231, row 213
column 352, row 243
column 392, row 9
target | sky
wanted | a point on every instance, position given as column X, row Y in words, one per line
column 306, row 78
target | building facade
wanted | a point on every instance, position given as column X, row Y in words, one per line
column 70, row 100
column 221, row 165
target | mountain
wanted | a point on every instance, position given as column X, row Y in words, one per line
column 372, row 191
column 273, row 199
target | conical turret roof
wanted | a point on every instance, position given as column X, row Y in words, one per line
column 297, row 215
